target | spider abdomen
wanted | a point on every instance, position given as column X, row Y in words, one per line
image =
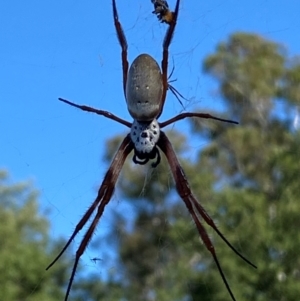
column 144, row 88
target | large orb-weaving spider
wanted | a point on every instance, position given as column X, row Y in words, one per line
column 145, row 88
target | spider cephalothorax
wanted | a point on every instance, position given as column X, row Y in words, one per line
column 145, row 88
column 145, row 136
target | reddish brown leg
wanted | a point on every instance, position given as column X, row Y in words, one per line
column 164, row 62
column 98, row 112
column 123, row 44
column 198, row 115
column 194, row 206
column 104, row 195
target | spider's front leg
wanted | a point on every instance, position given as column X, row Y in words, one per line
column 164, row 62
column 123, row 43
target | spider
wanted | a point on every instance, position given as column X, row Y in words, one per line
column 145, row 88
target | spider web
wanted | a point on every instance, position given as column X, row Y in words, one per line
column 76, row 55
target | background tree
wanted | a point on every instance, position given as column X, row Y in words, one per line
column 246, row 176
column 259, row 160
column 26, row 249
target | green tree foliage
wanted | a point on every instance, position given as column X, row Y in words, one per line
column 24, row 248
column 260, row 160
column 246, row 176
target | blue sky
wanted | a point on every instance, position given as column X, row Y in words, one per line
column 69, row 49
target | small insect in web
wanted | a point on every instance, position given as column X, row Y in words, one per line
column 96, row 259
column 161, row 9
column 145, row 88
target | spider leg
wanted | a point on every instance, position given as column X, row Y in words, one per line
column 104, row 195
column 198, row 115
column 191, row 203
column 211, row 223
column 164, row 62
column 175, row 92
column 123, row 44
column 99, row 112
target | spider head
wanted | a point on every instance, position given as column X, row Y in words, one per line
column 144, row 136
